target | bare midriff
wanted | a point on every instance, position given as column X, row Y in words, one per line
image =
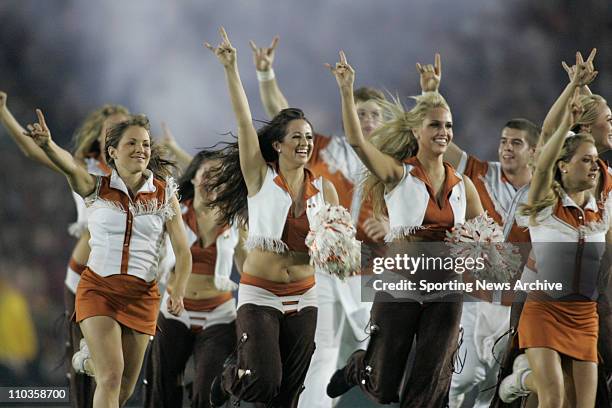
column 290, row 266
column 198, row 286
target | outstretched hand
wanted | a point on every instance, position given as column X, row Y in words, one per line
column 224, row 52
column 39, row 131
column 264, row 57
column 583, row 73
column 344, row 73
column 430, row 75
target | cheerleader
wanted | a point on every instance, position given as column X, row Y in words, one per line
column 89, row 143
column 425, row 198
column 340, row 304
column 117, row 299
column 559, row 330
column 277, row 303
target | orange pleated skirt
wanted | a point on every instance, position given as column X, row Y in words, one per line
column 128, row 299
column 570, row 328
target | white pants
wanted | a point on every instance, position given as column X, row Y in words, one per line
column 339, row 303
column 482, row 324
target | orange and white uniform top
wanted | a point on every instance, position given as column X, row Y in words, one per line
column 216, row 259
column 76, row 229
column 604, row 202
column 97, row 168
column 412, row 206
column 496, row 194
column 127, row 234
column 335, row 159
column 269, row 215
column 568, row 243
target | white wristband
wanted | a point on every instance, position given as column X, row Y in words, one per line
column 265, row 75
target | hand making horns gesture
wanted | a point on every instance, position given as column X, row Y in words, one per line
column 39, row 131
column 583, row 73
column 264, row 57
column 224, row 52
column 344, row 73
column 430, row 75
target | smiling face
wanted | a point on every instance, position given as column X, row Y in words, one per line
column 133, row 151
column 514, row 150
column 581, row 171
column 436, row 132
column 370, row 116
column 296, row 146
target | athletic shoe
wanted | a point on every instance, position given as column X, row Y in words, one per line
column 79, row 358
column 512, row 387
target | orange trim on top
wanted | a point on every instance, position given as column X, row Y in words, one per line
column 450, row 178
column 112, row 194
column 279, row 289
column 309, row 189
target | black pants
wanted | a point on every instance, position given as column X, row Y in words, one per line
column 272, row 356
column 379, row 370
column 82, row 386
column 174, row 343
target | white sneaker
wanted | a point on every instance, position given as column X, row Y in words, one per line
column 79, row 358
column 512, row 387
column 520, row 362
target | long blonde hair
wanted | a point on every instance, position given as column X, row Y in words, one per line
column 570, row 146
column 590, row 105
column 396, row 139
column 85, row 139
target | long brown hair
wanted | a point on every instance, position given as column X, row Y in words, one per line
column 227, row 178
column 158, row 164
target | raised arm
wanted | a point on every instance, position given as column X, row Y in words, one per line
column 544, row 172
column 182, row 267
column 385, row 167
column 584, row 74
column 430, row 77
column 182, row 157
column 80, row 180
column 272, row 98
column 17, row 133
column 252, row 163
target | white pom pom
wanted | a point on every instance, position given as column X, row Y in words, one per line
column 481, row 237
column 332, row 242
